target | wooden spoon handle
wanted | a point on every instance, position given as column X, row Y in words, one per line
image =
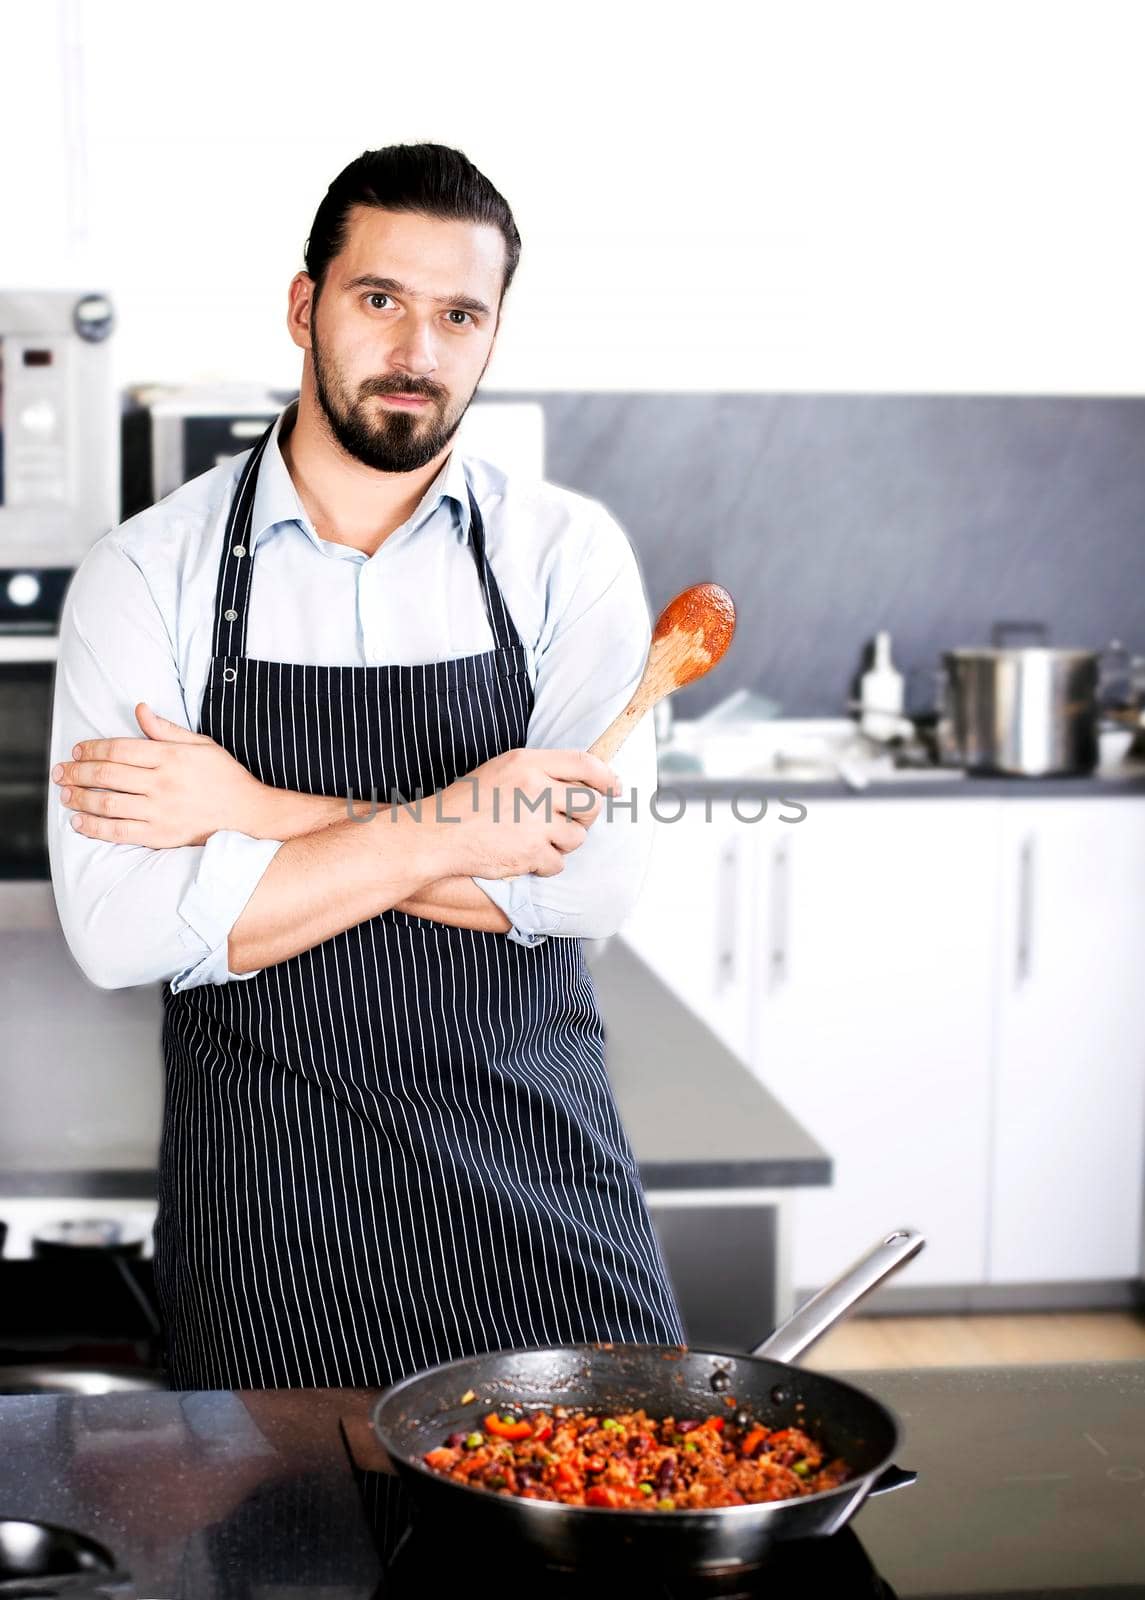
column 653, row 686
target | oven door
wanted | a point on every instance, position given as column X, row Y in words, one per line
column 81, row 1069
column 27, row 671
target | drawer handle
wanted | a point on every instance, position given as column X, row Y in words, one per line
column 1023, row 965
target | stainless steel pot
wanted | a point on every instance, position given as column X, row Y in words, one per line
column 1028, row 711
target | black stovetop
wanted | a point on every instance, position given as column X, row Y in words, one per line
column 1031, row 1482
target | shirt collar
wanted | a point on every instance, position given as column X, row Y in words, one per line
column 276, row 499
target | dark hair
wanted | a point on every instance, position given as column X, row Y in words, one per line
column 428, row 178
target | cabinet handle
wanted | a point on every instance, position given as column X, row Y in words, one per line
column 780, row 892
column 726, row 917
column 1024, row 962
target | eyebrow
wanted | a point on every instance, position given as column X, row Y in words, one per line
column 463, row 302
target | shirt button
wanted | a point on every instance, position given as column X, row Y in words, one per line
column 239, row 550
column 229, row 674
column 230, row 615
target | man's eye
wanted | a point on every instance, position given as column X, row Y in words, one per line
column 460, row 314
column 377, row 295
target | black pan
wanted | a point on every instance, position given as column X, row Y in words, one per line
column 418, row 1413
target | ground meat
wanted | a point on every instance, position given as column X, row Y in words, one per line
column 631, row 1461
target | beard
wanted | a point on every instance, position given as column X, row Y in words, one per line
column 388, row 441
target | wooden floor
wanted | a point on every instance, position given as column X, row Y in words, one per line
column 997, row 1339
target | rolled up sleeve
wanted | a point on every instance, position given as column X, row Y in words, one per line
column 130, row 914
column 589, row 662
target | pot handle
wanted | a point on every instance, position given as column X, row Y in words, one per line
column 819, row 1314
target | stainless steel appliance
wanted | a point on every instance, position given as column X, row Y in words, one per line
column 1025, row 710
column 59, row 431
column 80, row 1068
column 172, row 434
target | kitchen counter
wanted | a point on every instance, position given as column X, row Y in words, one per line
column 1125, row 779
column 695, row 1116
column 719, row 1157
column 1030, row 1480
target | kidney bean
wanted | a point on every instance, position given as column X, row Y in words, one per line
column 686, row 1427
column 666, row 1475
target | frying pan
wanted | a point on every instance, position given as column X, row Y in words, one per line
column 418, row 1413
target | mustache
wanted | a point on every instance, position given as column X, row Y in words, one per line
column 393, row 389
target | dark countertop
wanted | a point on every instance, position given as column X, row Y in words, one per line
column 1125, row 780
column 1030, row 1480
column 695, row 1115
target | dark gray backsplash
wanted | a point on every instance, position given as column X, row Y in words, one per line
column 830, row 516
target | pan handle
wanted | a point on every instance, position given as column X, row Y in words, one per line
column 819, row 1314
column 891, row 1478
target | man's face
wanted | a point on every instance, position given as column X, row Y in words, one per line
column 432, row 338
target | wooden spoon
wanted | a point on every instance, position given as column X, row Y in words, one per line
column 690, row 636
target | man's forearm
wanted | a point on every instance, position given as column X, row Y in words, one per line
column 455, row 900
column 459, row 902
column 321, row 883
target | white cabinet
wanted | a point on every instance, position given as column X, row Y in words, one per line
column 946, row 993
column 872, row 1022
column 1069, row 1126
column 693, row 921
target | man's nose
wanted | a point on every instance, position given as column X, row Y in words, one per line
column 415, row 351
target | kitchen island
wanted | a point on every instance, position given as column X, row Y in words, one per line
column 1030, row 1481
column 719, row 1157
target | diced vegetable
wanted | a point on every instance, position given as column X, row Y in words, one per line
column 508, row 1427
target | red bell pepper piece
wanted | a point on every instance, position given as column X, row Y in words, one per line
column 501, row 1429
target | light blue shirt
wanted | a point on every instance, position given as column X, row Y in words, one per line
column 137, row 625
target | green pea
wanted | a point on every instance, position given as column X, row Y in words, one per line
column 474, row 1440
column 665, row 1505
column 802, row 1468
column 646, row 1488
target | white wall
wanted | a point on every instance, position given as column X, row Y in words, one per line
column 894, row 195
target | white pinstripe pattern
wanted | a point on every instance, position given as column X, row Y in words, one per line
column 400, row 1146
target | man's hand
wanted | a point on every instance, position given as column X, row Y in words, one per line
column 172, row 788
column 499, row 834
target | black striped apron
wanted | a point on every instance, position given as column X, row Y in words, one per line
column 399, row 1146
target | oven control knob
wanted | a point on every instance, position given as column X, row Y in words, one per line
column 24, row 589
column 93, row 317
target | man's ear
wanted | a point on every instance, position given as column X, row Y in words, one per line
column 299, row 309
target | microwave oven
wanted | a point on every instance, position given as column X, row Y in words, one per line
column 59, row 428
